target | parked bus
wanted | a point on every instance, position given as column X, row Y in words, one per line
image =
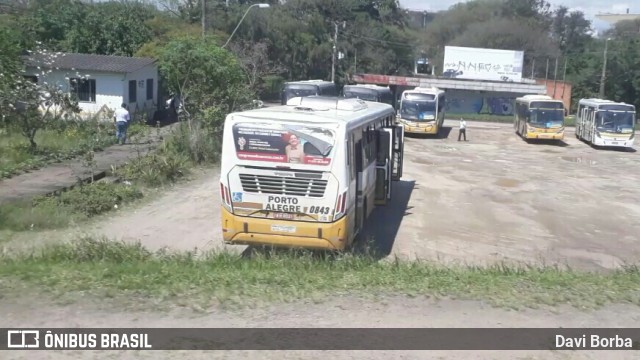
column 309, row 173
column 539, row 117
column 605, row 122
column 375, row 93
column 304, row 88
column 422, row 110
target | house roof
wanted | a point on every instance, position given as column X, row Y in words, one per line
column 90, row 62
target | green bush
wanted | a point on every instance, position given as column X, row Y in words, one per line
column 155, row 169
column 94, row 199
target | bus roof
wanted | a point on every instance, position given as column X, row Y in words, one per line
column 536, row 97
column 424, row 90
column 310, row 82
column 545, row 98
column 597, row 102
column 321, row 109
column 368, row 86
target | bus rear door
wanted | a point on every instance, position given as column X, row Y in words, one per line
column 389, row 161
column 398, row 151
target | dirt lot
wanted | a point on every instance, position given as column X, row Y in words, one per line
column 498, row 198
column 343, row 312
column 493, row 198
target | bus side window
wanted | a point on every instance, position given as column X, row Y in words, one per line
column 358, row 153
column 352, row 158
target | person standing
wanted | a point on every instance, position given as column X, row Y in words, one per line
column 121, row 117
column 463, row 129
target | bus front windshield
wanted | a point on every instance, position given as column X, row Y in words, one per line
column 546, row 118
column 615, row 121
column 424, row 110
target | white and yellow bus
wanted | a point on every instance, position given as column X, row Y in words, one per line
column 421, row 110
column 606, row 123
column 539, row 117
column 307, row 174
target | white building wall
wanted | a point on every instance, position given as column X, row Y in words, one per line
column 108, row 88
column 141, row 76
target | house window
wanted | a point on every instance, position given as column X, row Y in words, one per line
column 32, row 78
column 149, row 89
column 84, row 89
column 133, row 96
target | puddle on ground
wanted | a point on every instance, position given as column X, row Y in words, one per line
column 579, row 159
column 424, row 161
column 507, row 182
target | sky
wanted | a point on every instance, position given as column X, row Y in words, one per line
column 589, row 7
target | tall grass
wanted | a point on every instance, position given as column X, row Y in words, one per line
column 100, row 266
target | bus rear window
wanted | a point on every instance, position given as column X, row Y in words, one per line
column 283, row 144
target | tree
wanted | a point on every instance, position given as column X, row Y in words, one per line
column 32, row 106
column 571, row 30
column 106, row 28
column 254, row 59
column 203, row 75
column 10, row 66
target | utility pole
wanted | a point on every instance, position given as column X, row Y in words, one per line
column 546, row 74
column 333, row 60
column 564, row 80
column 355, row 62
column 204, row 18
column 533, row 68
column 604, row 69
column 555, row 79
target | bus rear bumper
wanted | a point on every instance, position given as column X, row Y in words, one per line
column 241, row 230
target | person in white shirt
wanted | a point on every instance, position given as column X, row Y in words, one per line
column 463, row 129
column 121, row 118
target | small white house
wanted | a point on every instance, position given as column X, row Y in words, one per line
column 108, row 80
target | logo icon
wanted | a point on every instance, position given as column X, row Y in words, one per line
column 242, row 142
column 23, row 339
column 236, row 197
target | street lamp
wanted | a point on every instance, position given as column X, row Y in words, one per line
column 604, row 68
column 262, row 6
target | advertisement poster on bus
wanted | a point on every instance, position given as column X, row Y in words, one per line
column 279, row 143
column 483, row 64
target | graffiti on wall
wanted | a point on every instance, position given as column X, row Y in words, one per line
column 477, row 103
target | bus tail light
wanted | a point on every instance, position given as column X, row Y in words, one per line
column 225, row 195
column 341, row 205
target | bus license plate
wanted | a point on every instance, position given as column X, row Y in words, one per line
column 614, row 142
column 283, row 228
column 283, row 216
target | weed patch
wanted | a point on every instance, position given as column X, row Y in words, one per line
column 101, row 266
column 65, row 141
column 75, row 205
